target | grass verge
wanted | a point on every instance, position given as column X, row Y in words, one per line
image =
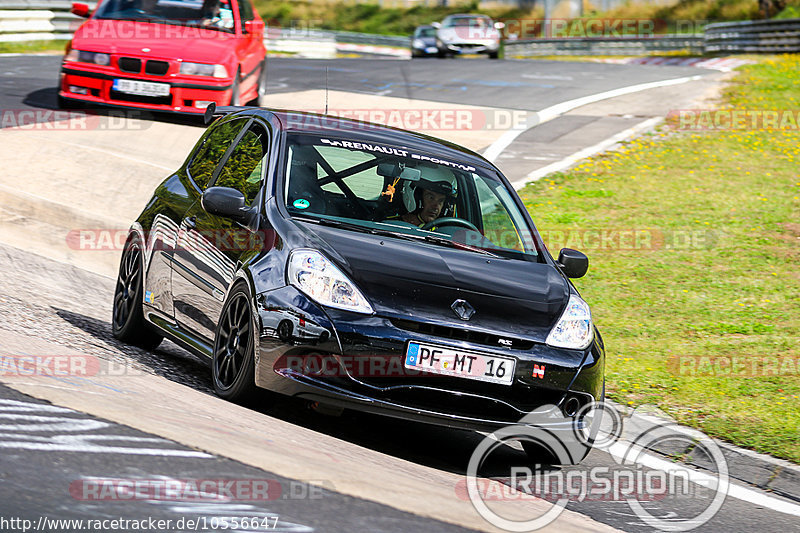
column 371, row 18
column 32, row 46
column 700, row 313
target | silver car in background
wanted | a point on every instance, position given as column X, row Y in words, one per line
column 470, row 34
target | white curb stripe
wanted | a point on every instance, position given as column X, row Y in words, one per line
column 586, row 152
column 739, row 492
column 549, row 113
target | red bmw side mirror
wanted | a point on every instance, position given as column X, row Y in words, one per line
column 254, row 26
column 82, row 10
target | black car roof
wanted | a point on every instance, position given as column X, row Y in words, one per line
column 362, row 131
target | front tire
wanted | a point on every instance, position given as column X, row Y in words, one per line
column 261, row 100
column 261, row 88
column 127, row 319
column 233, row 365
column 236, row 97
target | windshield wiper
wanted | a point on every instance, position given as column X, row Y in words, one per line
column 336, row 224
column 433, row 239
column 460, row 245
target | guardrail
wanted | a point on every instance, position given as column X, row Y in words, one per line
column 764, row 36
column 326, row 43
column 35, row 20
column 605, row 46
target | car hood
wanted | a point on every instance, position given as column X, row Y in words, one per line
column 129, row 37
column 420, row 282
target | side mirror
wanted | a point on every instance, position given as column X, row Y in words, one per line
column 573, row 263
column 82, row 10
column 436, row 25
column 254, row 26
column 225, row 202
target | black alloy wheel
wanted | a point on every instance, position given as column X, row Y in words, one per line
column 234, row 348
column 285, row 331
column 127, row 320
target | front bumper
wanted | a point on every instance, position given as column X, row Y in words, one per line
column 182, row 97
column 472, row 47
column 427, row 50
column 359, row 365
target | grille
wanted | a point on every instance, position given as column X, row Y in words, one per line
column 156, row 68
column 462, row 334
column 130, row 64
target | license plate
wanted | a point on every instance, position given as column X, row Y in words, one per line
column 460, row 363
column 142, row 88
column 431, row 49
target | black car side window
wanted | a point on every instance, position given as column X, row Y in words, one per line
column 242, row 171
column 210, row 153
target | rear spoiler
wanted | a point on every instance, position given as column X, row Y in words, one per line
column 213, row 111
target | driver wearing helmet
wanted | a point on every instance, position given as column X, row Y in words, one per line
column 433, row 195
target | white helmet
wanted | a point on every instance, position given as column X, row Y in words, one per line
column 434, row 178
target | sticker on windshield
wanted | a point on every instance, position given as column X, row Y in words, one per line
column 396, row 151
column 301, row 203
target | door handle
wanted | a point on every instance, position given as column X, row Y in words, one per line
column 190, row 222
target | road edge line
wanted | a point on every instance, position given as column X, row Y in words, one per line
column 587, row 152
column 539, row 117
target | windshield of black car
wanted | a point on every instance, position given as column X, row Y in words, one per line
column 426, row 32
column 382, row 188
column 211, row 14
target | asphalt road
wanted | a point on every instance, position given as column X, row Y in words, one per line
column 29, row 81
column 68, row 307
column 75, row 468
column 32, row 304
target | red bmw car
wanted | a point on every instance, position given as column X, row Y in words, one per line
column 165, row 55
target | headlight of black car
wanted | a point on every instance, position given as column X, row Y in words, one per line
column 323, row 282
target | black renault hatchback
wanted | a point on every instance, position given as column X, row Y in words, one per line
column 358, row 266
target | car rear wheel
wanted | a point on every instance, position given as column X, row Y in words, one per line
column 127, row 320
column 285, row 331
column 233, row 365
